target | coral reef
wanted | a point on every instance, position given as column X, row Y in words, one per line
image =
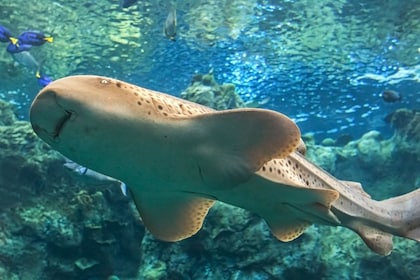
column 387, row 167
column 206, row 91
column 407, row 136
column 58, row 227
column 52, row 226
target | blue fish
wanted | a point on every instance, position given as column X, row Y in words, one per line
column 6, row 36
column 18, row 47
column 43, row 80
column 34, row 38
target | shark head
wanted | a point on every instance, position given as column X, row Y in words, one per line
column 71, row 104
column 92, row 120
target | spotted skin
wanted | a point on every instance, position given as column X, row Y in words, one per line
column 178, row 157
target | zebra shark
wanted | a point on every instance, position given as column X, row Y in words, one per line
column 177, row 158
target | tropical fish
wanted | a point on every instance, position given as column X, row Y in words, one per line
column 34, row 38
column 43, row 80
column 391, row 96
column 18, row 47
column 92, row 177
column 178, row 157
column 6, row 36
column 169, row 30
column 127, row 3
column 259, row 103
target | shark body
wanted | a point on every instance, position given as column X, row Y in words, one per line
column 178, row 158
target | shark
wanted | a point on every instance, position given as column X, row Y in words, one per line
column 177, row 158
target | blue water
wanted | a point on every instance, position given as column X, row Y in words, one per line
column 310, row 60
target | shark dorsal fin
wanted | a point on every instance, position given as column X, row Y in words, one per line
column 357, row 186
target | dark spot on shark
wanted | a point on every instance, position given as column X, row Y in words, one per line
column 139, row 103
column 160, row 107
column 118, row 84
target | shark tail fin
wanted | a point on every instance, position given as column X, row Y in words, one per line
column 407, row 207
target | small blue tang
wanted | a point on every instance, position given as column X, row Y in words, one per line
column 18, row 47
column 43, row 80
column 6, row 35
column 34, row 38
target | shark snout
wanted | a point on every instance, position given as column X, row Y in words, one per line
column 47, row 116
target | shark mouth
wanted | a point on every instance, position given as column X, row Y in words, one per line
column 49, row 117
column 52, row 135
column 60, row 124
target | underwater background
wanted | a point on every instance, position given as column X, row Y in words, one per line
column 326, row 64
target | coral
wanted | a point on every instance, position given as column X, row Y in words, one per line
column 325, row 156
column 50, row 223
column 7, row 115
column 371, row 148
column 154, row 271
column 407, row 134
column 206, row 91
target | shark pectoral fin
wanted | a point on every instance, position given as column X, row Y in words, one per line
column 172, row 216
column 238, row 142
column 286, row 230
